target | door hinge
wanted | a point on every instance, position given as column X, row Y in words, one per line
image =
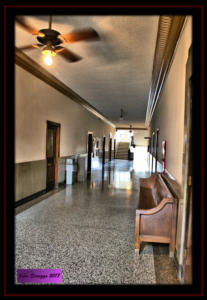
column 190, row 180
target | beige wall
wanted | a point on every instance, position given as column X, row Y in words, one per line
column 169, row 113
column 35, row 103
column 139, row 137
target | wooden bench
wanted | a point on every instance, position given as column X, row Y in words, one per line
column 156, row 214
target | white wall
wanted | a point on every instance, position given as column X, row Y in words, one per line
column 169, row 119
column 169, row 112
column 35, row 103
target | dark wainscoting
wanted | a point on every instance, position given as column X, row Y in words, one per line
column 29, row 198
column 30, row 178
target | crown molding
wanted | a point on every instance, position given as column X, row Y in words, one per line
column 169, row 31
column 25, row 62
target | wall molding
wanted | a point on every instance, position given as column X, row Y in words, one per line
column 25, row 62
column 169, row 32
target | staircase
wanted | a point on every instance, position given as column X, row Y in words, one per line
column 122, row 150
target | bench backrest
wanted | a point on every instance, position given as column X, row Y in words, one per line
column 152, row 191
column 160, row 190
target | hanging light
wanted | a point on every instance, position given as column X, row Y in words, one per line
column 121, row 115
column 48, row 52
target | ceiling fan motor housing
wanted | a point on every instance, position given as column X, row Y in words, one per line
column 50, row 38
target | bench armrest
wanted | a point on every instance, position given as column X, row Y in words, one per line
column 156, row 209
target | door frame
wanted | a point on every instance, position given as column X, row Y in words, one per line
column 57, row 151
column 186, row 243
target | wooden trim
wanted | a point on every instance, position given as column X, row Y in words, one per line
column 53, row 123
column 154, row 239
column 25, row 62
column 169, row 32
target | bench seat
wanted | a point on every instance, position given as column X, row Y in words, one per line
column 156, row 213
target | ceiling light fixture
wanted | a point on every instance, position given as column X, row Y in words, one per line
column 121, row 115
column 50, row 39
column 48, row 52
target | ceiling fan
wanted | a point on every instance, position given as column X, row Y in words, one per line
column 50, row 39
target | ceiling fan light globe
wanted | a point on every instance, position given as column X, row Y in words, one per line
column 48, row 60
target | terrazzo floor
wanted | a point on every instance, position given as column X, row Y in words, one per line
column 87, row 230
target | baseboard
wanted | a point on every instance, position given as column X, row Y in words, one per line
column 29, row 198
column 36, row 195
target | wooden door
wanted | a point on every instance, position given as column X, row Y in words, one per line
column 52, row 154
column 90, row 150
column 110, row 147
column 187, row 174
column 103, row 150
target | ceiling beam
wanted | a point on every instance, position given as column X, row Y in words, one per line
column 169, row 31
column 24, row 61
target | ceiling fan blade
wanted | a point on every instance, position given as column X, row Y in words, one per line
column 80, row 35
column 69, row 55
column 28, row 28
column 29, row 47
column 59, row 49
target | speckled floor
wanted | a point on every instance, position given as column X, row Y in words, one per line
column 87, row 230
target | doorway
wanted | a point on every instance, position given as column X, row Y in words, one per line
column 52, row 154
column 110, row 146
column 90, row 151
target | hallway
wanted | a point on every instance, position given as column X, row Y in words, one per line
column 100, row 102
column 87, row 230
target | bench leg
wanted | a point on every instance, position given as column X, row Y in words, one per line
column 137, row 240
column 171, row 249
column 171, row 254
column 137, row 251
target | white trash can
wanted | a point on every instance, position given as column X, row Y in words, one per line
column 69, row 171
column 82, row 167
